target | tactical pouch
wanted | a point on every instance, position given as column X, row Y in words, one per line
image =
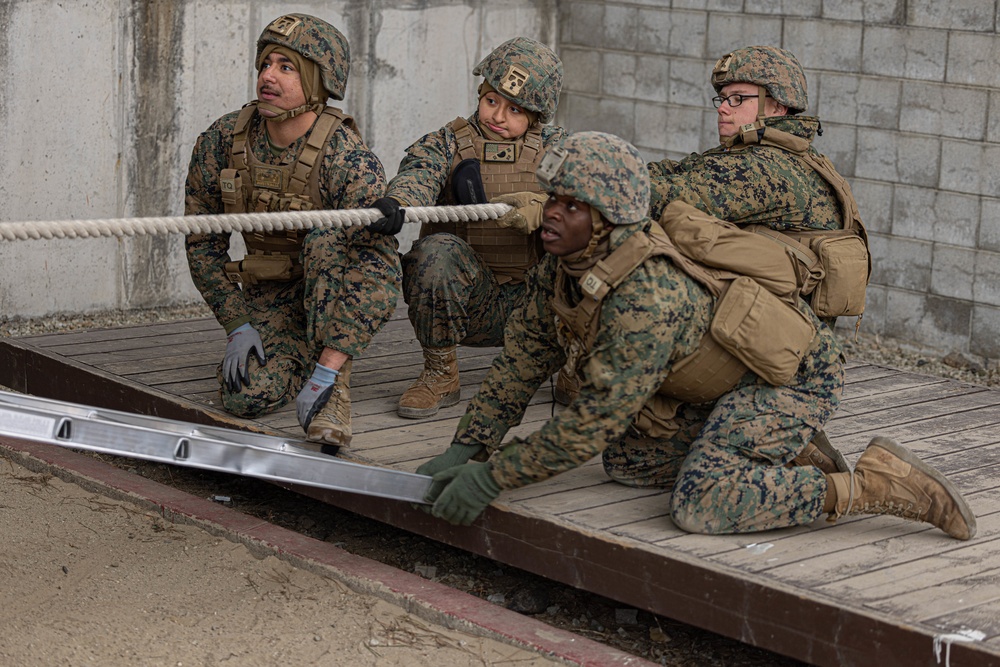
column 255, row 268
column 231, row 191
column 845, row 259
column 768, row 335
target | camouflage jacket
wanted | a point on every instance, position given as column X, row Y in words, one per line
column 749, row 184
column 350, row 176
column 423, row 173
column 654, row 318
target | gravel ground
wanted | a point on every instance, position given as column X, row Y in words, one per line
column 655, row 638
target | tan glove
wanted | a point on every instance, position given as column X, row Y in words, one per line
column 526, row 214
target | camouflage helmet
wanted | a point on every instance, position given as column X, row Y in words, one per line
column 775, row 69
column 602, row 170
column 527, row 72
column 315, row 40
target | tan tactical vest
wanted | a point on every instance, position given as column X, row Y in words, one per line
column 249, row 185
column 506, row 167
column 734, row 344
column 834, row 265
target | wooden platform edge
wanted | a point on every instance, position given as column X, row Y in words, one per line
column 752, row 609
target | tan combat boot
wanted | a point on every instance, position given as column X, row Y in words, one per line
column 889, row 479
column 436, row 388
column 332, row 424
column 567, row 386
column 821, row 453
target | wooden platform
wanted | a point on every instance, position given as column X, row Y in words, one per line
column 866, row 591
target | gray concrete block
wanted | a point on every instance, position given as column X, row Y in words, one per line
column 903, row 263
column 810, row 8
column 986, row 288
column 674, row 33
column 909, row 53
column 952, row 15
column 839, row 143
column 869, row 11
column 874, row 203
column 652, row 78
column 970, row 167
column 932, row 215
column 830, row 45
column 618, row 74
column 582, row 23
column 582, row 70
column 621, row 26
column 972, row 59
column 727, row 32
column 896, row 157
column 584, row 113
column 669, row 129
column 993, row 123
column 710, row 5
column 690, row 83
column 848, row 98
column 943, row 324
column 951, row 111
column 952, row 271
column 873, row 321
column 985, row 337
column 989, row 225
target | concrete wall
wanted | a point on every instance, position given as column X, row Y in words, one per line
column 100, row 123
column 909, row 95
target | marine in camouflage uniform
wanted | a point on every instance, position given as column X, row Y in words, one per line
column 462, row 281
column 300, row 306
column 727, row 459
column 754, row 176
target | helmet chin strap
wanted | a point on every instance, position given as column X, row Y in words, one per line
column 285, row 114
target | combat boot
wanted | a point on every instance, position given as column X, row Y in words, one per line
column 567, row 386
column 889, row 479
column 821, row 454
column 332, row 424
column 436, row 388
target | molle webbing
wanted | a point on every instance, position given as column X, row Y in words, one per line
column 292, row 186
column 506, row 167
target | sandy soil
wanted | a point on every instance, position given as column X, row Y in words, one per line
column 88, row 580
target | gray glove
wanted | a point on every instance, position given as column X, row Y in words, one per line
column 241, row 343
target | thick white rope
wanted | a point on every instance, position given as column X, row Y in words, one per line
column 238, row 222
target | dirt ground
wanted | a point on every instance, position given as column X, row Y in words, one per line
column 88, row 580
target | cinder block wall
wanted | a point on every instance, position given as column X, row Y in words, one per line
column 909, row 95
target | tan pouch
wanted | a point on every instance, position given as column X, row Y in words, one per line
column 765, row 333
column 842, row 290
column 255, row 268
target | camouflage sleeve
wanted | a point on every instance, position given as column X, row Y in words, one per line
column 368, row 271
column 424, row 170
column 654, row 317
column 758, row 185
column 531, row 354
column 207, row 254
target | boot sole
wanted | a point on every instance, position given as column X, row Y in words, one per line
column 447, row 400
column 903, row 453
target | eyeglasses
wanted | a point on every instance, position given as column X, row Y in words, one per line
column 734, row 100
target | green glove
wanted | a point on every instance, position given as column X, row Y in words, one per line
column 455, row 455
column 526, row 214
column 460, row 494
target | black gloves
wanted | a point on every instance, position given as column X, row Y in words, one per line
column 392, row 221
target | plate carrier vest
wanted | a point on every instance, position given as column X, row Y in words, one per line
column 249, row 185
column 506, row 167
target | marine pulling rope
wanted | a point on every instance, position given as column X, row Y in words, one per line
column 238, row 222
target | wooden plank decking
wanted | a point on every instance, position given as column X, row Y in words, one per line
column 866, row 591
